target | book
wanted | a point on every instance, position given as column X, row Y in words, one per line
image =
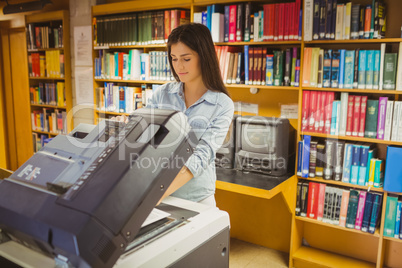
column 388, row 120
column 364, row 151
column 304, row 199
column 319, row 170
column 299, row 158
column 352, row 209
column 393, row 170
column 398, row 219
column 329, row 159
column 362, row 69
column 298, row 198
column 344, row 208
column 306, row 156
column 327, row 68
column 360, row 209
column 347, row 162
column 390, row 216
column 338, row 157
column 374, row 220
column 349, row 69
column 379, row 173
column 354, row 170
column 328, row 204
column 370, row 131
column 335, row 69
column 368, row 208
column 321, row 201
column 312, row 203
column 382, row 110
column 390, row 66
column 369, row 69
column 313, row 159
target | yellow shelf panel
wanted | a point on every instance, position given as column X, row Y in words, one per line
column 261, row 43
column 358, row 139
column 351, row 91
column 44, row 49
column 46, row 17
column 357, row 41
column 340, row 183
column 111, row 113
column 132, row 46
column 131, row 81
column 314, row 221
column 393, row 239
column 46, row 78
column 262, row 87
column 311, row 257
column 47, row 106
column 46, row 132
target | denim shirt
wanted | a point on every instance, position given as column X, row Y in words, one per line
column 210, row 118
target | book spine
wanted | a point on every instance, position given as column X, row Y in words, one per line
column 313, row 159
column 363, row 109
column 367, row 212
column 347, row 163
column 329, row 159
column 312, row 200
column 306, row 156
column 298, row 198
column 374, row 219
column 356, row 116
column 354, row 171
column 388, row 120
column 320, row 201
column 382, row 109
column 344, row 208
column 299, row 158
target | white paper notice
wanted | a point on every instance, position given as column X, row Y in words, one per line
column 84, row 85
column 289, row 111
column 82, row 46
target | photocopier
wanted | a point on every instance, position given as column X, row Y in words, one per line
column 84, row 198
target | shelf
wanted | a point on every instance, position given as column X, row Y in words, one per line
column 340, row 183
column 349, row 138
column 314, row 221
column 356, row 41
column 311, row 257
column 45, row 132
column 393, row 239
column 47, row 106
column 132, row 46
column 44, row 49
column 260, row 43
column 111, row 113
column 46, row 78
column 262, row 87
column 352, row 90
column 131, row 81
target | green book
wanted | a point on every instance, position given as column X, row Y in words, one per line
column 352, row 209
column 390, row 216
column 370, row 130
column 379, row 173
column 389, row 80
column 371, row 154
column 278, row 68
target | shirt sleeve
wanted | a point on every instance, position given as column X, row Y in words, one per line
column 211, row 140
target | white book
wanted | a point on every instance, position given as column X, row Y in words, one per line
column 308, row 20
column 347, row 10
column 136, row 64
column 388, row 120
column 257, row 29
column 217, row 27
column 343, row 113
column 399, row 131
column 338, row 115
column 339, row 22
column 115, row 105
column 399, row 69
column 394, row 130
column 197, row 17
column 382, row 58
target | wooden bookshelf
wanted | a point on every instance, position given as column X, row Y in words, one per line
column 357, row 41
column 364, row 91
column 47, row 106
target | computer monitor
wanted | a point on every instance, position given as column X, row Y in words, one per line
column 264, row 144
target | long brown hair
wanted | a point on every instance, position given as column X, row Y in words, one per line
column 198, row 38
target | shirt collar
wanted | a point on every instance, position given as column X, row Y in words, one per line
column 209, row 96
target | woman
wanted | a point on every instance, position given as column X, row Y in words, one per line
column 200, row 94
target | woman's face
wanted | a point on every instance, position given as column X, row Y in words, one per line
column 186, row 63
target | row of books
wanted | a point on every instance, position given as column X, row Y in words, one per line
column 392, row 220
column 123, row 99
column 359, row 69
column 48, row 36
column 330, row 159
column 49, row 120
column 50, row 64
column 135, row 65
column 350, row 208
column 273, row 68
column 339, row 20
column 247, row 22
column 152, row 27
column 48, row 93
column 39, row 140
column 352, row 115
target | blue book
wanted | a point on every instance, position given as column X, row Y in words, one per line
column 377, row 203
column 349, row 68
column 371, row 154
column 269, row 77
column 354, row 171
column 347, row 162
column 306, row 156
column 316, row 19
column 297, row 73
column 335, row 69
column 333, row 23
column 341, row 83
column 299, row 158
column 209, row 17
column 368, row 208
column 362, row 70
column 300, row 23
column 393, row 170
column 398, row 219
column 334, row 118
column 376, row 69
column 245, row 63
column 329, row 20
column 205, row 18
column 363, row 170
column 122, row 99
column 369, row 69
column 226, row 25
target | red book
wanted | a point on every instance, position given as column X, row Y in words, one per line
column 318, row 112
column 286, row 22
column 328, row 112
column 349, row 116
column 264, row 65
column 291, row 21
column 321, row 200
column 174, row 19
column 367, row 23
column 363, row 108
column 257, row 66
column 232, row 23
column 305, row 110
column 276, row 26
column 222, row 61
column 121, row 65
column 356, row 116
column 323, row 103
column 313, row 110
column 167, row 24
column 38, row 37
column 272, row 16
column 266, row 21
column 281, row 21
column 250, row 65
column 312, row 204
column 296, row 18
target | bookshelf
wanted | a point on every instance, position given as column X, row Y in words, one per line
column 48, row 49
column 250, row 208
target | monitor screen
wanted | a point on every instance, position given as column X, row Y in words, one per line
column 258, row 138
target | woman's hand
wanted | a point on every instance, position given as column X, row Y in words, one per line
column 120, row 118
